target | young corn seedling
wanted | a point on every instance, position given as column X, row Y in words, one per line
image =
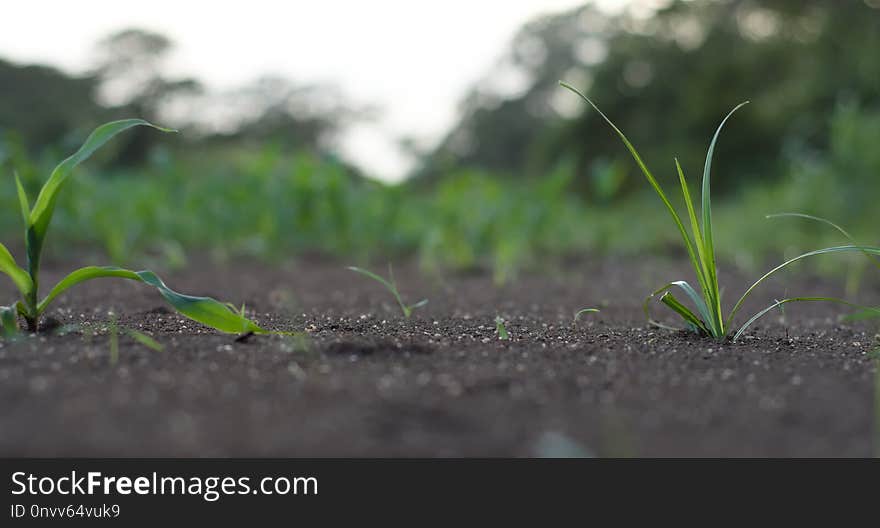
column 706, row 317
column 36, row 219
column 391, row 286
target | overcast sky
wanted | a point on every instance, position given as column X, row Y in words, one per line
column 415, row 59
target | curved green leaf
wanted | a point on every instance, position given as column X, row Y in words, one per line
column 706, row 272
column 700, row 304
column 708, row 237
column 419, row 304
column 391, row 287
column 799, row 299
column 582, row 311
column 835, row 249
column 23, row 202
column 19, row 276
column 669, row 300
column 839, row 229
column 375, row 277
column 707, row 185
column 41, row 214
column 205, row 310
column 650, row 177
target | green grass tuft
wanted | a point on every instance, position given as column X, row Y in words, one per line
column 391, row 286
column 705, row 316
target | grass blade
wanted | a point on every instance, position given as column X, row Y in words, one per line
column 204, row 310
column 798, row 299
column 823, row 251
column 650, row 177
column 707, row 188
column 690, row 292
column 145, row 340
column 373, row 276
column 703, row 272
column 419, row 304
column 708, row 237
column 391, row 287
column 669, row 300
column 839, row 229
column 582, row 311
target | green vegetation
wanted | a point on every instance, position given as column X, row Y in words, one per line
column 500, row 329
column 37, row 219
column 709, row 318
column 582, row 311
column 512, row 188
column 115, row 329
column 391, row 286
column 267, row 203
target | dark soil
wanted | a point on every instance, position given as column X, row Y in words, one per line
column 367, row 382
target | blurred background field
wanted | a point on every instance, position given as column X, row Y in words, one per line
column 523, row 175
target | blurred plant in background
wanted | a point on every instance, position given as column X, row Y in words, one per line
column 519, row 181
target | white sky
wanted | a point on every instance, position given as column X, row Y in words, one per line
column 415, row 59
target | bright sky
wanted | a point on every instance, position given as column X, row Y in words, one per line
column 413, row 58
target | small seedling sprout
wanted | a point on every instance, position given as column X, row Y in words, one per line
column 582, row 311
column 391, row 286
column 115, row 329
column 500, row 328
column 36, row 220
column 707, row 318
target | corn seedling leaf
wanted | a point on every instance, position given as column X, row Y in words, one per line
column 18, row 275
column 23, row 202
column 205, row 310
column 41, row 214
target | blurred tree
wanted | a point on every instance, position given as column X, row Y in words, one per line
column 131, row 67
column 275, row 109
column 40, row 105
column 667, row 78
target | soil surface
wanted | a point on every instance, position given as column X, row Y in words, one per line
column 364, row 381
